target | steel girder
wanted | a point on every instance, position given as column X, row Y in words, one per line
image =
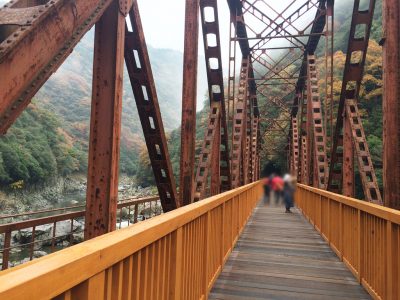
column 312, row 43
column 189, row 94
column 236, row 9
column 204, row 162
column 391, row 103
column 254, row 148
column 239, row 122
column 303, row 106
column 216, row 90
column 317, row 124
column 212, row 155
column 294, row 146
column 352, row 77
column 65, row 22
column 105, row 124
column 48, row 32
column 144, row 90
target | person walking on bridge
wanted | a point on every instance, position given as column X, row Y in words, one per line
column 277, row 186
column 288, row 192
column 267, row 189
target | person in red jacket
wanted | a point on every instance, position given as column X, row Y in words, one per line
column 277, row 186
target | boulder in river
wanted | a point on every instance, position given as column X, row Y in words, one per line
column 44, row 234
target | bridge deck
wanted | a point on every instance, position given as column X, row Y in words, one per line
column 281, row 256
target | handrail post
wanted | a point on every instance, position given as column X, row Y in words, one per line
column 320, row 213
column 389, row 261
column 176, row 263
column 360, row 244
column 341, row 231
column 6, row 250
column 329, row 220
column 135, row 214
column 206, row 253
column 223, row 234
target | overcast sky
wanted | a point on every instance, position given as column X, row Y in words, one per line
column 163, row 24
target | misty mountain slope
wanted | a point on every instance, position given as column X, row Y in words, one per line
column 73, row 80
column 65, row 100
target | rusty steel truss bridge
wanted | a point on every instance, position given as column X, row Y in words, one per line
column 277, row 97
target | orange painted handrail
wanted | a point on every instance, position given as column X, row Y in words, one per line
column 365, row 236
column 177, row 255
column 69, row 215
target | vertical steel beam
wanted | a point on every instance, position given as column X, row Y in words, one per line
column 302, row 103
column 365, row 166
column 212, row 53
column 143, row 87
column 239, row 124
column 348, row 159
column 205, row 158
column 189, row 93
column 329, row 46
column 348, row 105
column 319, row 141
column 105, row 123
column 254, row 154
column 310, row 178
column 247, row 141
column 304, row 165
column 391, row 103
column 215, row 161
column 295, row 146
column 232, row 71
column 217, row 123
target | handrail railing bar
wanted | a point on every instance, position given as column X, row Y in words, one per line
column 95, row 256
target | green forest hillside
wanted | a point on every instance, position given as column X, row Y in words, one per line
column 371, row 93
column 50, row 138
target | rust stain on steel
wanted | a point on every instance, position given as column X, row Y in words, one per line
column 203, row 167
column 319, row 138
column 144, row 90
column 300, row 166
column 105, row 124
column 239, row 119
column 348, row 159
column 391, row 103
column 217, row 123
column 352, row 77
column 215, row 161
column 295, row 146
column 23, row 75
column 189, row 94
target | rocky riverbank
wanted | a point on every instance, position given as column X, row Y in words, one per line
column 49, row 239
column 65, row 192
column 62, row 192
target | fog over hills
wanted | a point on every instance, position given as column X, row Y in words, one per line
column 62, row 107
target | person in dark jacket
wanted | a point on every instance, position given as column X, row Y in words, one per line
column 267, row 189
column 288, row 192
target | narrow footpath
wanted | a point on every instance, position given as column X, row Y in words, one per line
column 281, row 256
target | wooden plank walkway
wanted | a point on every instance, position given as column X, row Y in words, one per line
column 281, row 256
